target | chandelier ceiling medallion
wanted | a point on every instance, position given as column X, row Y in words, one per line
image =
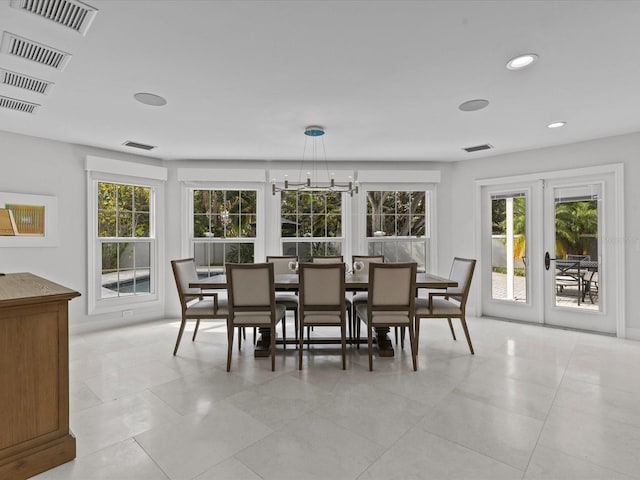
column 311, row 183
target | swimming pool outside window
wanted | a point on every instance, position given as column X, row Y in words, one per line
column 124, row 220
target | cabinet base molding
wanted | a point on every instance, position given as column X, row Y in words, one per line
column 39, row 459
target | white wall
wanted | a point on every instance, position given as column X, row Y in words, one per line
column 43, row 167
column 621, row 149
column 39, row 166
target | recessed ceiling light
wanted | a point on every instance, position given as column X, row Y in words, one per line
column 556, row 124
column 521, row 61
column 473, row 105
column 150, row 99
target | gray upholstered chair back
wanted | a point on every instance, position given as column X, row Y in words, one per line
column 184, row 272
column 330, row 259
column 323, row 284
column 392, row 284
column 461, row 272
column 281, row 263
column 250, row 285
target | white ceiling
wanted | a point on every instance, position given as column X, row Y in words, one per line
column 385, row 78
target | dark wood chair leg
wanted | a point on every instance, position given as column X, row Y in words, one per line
column 344, row 345
column 180, row 332
column 370, row 344
column 195, row 330
column 229, row 345
column 451, row 327
column 300, row 346
column 273, row 347
column 284, row 331
column 414, row 348
column 466, row 332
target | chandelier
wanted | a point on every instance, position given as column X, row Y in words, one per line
column 314, row 133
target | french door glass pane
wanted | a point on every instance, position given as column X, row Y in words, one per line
column 576, row 241
column 508, row 247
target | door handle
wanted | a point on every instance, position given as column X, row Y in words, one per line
column 547, row 260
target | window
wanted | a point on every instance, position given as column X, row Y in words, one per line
column 125, row 251
column 125, row 239
column 311, row 224
column 224, row 228
column 397, row 226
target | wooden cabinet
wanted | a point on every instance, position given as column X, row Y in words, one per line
column 34, row 376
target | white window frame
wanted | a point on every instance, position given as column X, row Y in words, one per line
column 128, row 173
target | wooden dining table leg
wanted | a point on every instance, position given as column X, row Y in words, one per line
column 385, row 347
column 263, row 345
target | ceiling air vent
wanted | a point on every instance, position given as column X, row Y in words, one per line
column 69, row 13
column 141, row 146
column 34, row 51
column 477, row 148
column 7, row 77
column 18, row 105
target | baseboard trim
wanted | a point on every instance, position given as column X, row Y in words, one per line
column 632, row 333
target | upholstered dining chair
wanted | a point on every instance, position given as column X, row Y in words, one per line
column 322, row 300
column 288, row 299
column 252, row 302
column 195, row 303
column 450, row 303
column 391, row 302
column 361, row 297
column 328, row 259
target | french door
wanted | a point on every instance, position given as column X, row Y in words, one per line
column 546, row 250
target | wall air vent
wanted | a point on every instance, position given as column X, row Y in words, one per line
column 34, row 51
column 141, row 146
column 478, row 148
column 69, row 13
column 7, row 77
column 18, row 105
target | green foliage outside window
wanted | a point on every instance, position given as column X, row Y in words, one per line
column 224, row 213
column 396, row 214
column 311, row 214
column 577, row 228
column 123, row 210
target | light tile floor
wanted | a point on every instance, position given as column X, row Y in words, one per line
column 533, row 403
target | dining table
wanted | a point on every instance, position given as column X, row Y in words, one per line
column 354, row 281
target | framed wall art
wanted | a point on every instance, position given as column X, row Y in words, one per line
column 28, row 220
